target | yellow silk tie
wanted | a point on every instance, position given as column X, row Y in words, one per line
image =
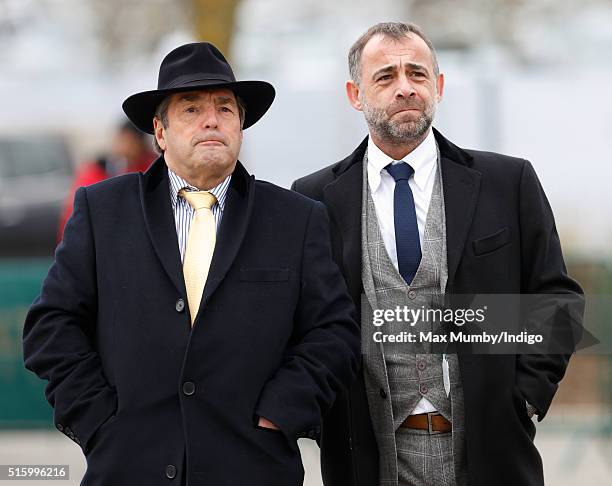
column 200, row 247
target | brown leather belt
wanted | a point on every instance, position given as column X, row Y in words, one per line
column 432, row 422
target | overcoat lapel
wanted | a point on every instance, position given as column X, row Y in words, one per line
column 159, row 220
column 461, row 186
column 342, row 198
column 236, row 217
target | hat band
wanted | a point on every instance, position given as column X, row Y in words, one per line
column 200, row 77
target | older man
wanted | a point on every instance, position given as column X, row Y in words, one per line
column 194, row 324
column 415, row 218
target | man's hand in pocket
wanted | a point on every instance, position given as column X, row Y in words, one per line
column 266, row 424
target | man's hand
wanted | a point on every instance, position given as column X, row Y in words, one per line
column 266, row 424
column 531, row 410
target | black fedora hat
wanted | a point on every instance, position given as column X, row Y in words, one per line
column 198, row 65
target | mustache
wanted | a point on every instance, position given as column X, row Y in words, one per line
column 400, row 105
column 208, row 137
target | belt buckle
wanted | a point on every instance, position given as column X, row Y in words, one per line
column 430, row 425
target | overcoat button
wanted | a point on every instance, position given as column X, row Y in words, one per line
column 170, row 471
column 188, row 388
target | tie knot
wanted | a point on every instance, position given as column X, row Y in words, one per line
column 199, row 199
column 400, row 172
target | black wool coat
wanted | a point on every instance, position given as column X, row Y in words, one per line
column 501, row 239
column 153, row 401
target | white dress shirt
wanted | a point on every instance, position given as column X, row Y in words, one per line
column 182, row 210
column 424, row 160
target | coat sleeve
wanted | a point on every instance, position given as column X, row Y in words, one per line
column 59, row 333
column 322, row 359
column 558, row 305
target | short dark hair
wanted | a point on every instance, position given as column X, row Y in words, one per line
column 393, row 30
column 161, row 113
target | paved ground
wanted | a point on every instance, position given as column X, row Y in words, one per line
column 569, row 458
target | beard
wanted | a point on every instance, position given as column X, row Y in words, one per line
column 397, row 131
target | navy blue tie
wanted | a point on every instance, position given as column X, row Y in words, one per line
column 407, row 241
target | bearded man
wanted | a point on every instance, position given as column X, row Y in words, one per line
column 415, row 218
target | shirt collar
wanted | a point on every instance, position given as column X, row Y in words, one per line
column 422, row 159
column 177, row 183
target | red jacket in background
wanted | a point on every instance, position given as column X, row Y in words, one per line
column 95, row 171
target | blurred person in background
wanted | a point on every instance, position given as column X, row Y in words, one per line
column 131, row 151
column 194, row 324
column 415, row 217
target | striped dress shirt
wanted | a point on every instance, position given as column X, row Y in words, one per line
column 182, row 210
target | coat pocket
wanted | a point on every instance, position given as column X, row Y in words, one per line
column 264, row 274
column 100, row 433
column 491, row 242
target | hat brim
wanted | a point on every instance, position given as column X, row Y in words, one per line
column 256, row 95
